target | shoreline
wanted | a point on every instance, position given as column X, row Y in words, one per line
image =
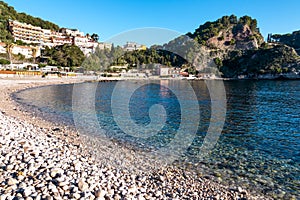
column 94, row 177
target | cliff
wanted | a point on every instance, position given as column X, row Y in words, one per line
column 229, row 33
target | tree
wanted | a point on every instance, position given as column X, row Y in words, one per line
column 95, row 37
column 91, row 63
column 65, row 56
column 34, row 53
column 9, row 48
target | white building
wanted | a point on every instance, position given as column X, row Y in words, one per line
column 71, row 32
column 45, row 37
column 49, row 69
column 132, row 46
column 2, row 47
column 103, row 45
column 61, row 41
column 26, row 32
column 23, row 50
column 164, row 71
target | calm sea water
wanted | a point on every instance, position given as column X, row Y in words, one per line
column 259, row 147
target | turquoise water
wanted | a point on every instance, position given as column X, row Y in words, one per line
column 259, row 147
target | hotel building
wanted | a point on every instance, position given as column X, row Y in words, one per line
column 26, row 32
column 45, row 37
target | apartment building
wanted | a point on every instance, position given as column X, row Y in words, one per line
column 104, row 45
column 71, row 32
column 26, row 32
column 23, row 50
column 45, row 37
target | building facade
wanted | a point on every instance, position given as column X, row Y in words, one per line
column 26, row 32
column 132, row 46
column 2, row 48
column 45, row 37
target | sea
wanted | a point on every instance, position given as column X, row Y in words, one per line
column 241, row 132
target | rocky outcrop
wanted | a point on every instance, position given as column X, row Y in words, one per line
column 274, row 59
column 239, row 37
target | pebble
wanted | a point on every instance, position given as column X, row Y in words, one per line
column 12, row 181
column 41, row 165
column 83, row 186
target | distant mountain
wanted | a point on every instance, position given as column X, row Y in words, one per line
column 8, row 12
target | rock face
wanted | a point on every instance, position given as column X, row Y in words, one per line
column 216, row 40
column 238, row 37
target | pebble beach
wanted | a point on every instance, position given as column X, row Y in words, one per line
column 40, row 160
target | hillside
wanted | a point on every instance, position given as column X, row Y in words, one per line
column 236, row 47
column 230, row 46
column 8, row 12
column 229, row 32
column 290, row 39
column 213, row 42
column 274, row 59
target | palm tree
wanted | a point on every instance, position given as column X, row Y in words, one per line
column 95, row 37
column 34, row 52
column 9, row 48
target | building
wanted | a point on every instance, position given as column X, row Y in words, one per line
column 103, row 45
column 45, row 37
column 56, row 41
column 26, row 32
column 164, row 71
column 23, row 50
column 2, row 48
column 132, row 46
column 71, row 32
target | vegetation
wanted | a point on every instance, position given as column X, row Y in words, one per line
column 102, row 59
column 273, row 60
column 64, row 56
column 230, row 44
column 292, row 40
column 4, row 61
column 95, row 37
column 213, row 29
column 8, row 12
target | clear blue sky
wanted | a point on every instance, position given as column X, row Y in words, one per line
column 112, row 17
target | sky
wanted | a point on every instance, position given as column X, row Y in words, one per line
column 156, row 21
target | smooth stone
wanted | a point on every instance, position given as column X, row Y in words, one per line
column 83, row 186
column 9, row 167
column 55, row 171
column 27, row 192
column 76, row 196
column 12, row 181
column 98, row 193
